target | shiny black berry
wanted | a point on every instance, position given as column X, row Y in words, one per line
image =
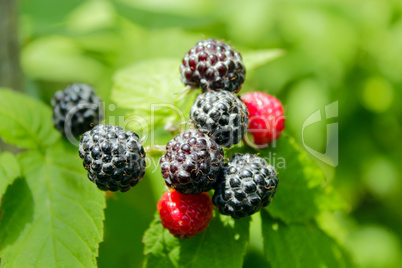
column 76, row 109
column 248, row 184
column 213, row 65
column 114, row 158
column 221, row 115
column 192, row 162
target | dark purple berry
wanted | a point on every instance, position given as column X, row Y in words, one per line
column 192, row 162
column 213, row 65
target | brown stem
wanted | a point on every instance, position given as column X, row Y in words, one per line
column 10, row 70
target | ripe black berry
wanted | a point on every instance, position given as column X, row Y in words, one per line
column 114, row 158
column 221, row 115
column 213, row 65
column 191, row 163
column 76, row 109
column 248, row 184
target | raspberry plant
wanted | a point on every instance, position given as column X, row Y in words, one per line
column 52, row 215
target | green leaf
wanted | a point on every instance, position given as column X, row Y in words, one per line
column 148, row 82
column 152, row 90
column 300, row 245
column 25, row 122
column 53, row 217
column 9, row 171
column 157, row 20
column 303, row 191
column 222, row 244
column 257, row 58
column 60, row 59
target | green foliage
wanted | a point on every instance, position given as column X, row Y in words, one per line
column 335, row 50
column 300, row 245
column 257, row 58
column 68, row 226
column 146, row 83
column 223, row 244
column 301, row 179
column 153, row 19
column 60, row 59
column 9, row 171
column 22, row 121
column 52, row 216
column 303, row 193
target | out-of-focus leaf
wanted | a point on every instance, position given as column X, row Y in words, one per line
column 45, row 16
column 151, row 19
column 257, row 58
column 148, row 83
column 25, row 122
column 300, row 245
column 9, row 171
column 53, row 217
column 60, row 59
column 222, row 244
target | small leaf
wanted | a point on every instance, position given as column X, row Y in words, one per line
column 222, row 244
column 9, row 171
column 53, row 217
column 300, row 245
column 25, row 122
column 257, row 58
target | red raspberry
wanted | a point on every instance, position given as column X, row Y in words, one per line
column 185, row 215
column 266, row 120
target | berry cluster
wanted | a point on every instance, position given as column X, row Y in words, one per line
column 193, row 162
column 114, row 158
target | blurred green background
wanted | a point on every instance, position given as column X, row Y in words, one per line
column 348, row 51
